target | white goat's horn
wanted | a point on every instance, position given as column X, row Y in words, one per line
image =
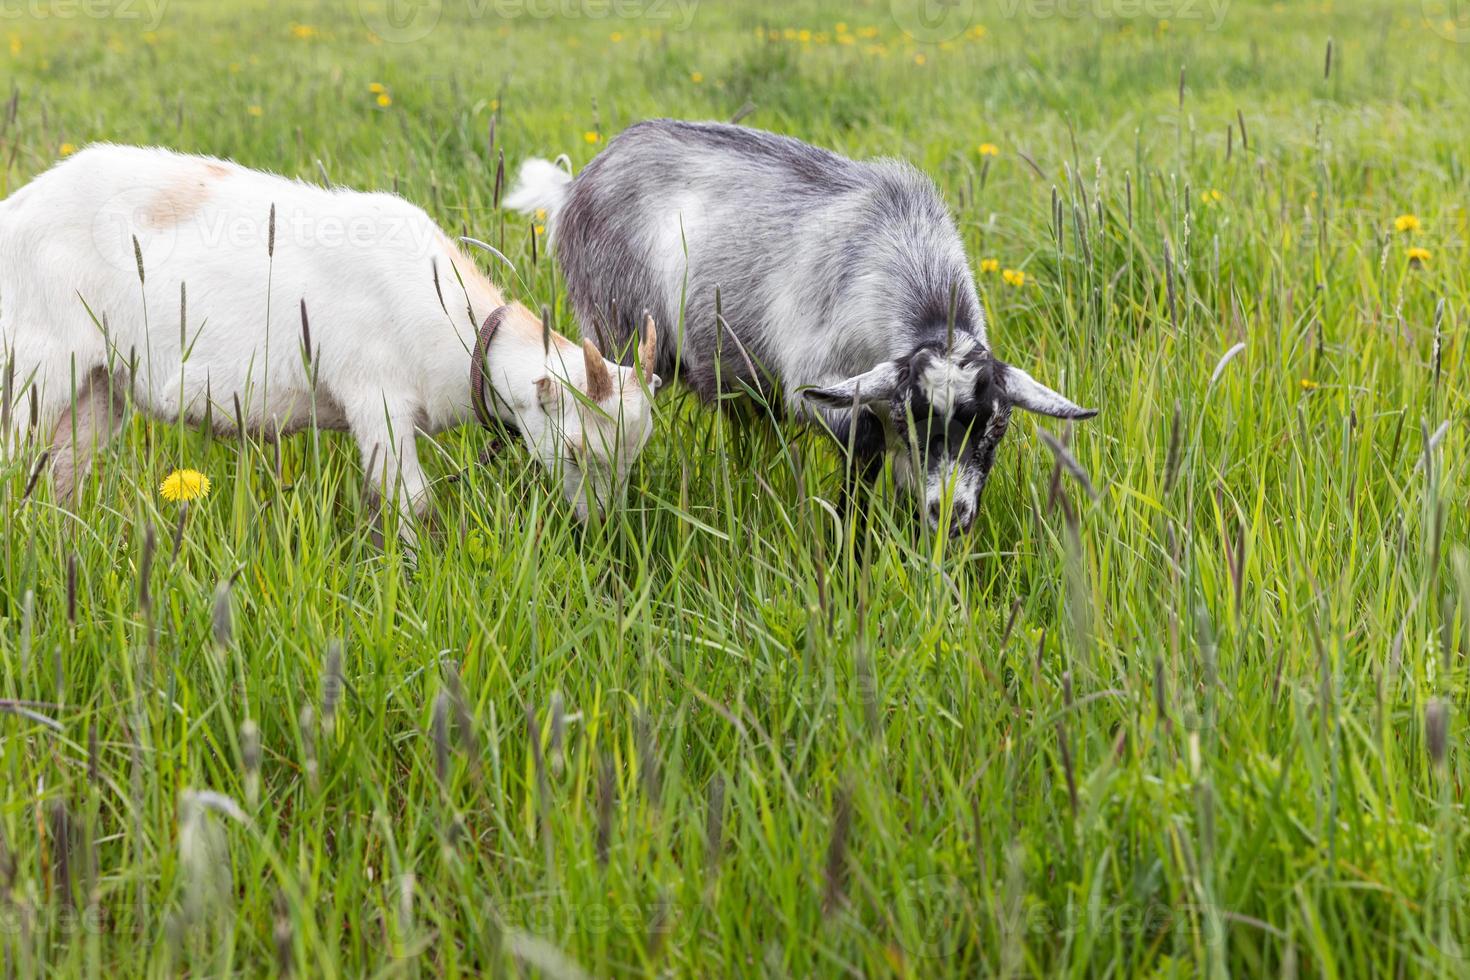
column 648, row 350
column 599, row 381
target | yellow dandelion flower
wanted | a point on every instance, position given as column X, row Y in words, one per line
column 494, row 105
column 616, row 37
column 1419, row 256
column 990, row 265
column 1211, row 196
column 255, row 111
column 15, row 44
column 67, row 149
column 592, row 136
column 304, row 32
column 541, row 215
column 804, row 36
column 920, row 59
column 696, row 77
column 1308, row 384
column 868, row 32
column 788, row 34
column 539, row 230
column 150, row 38
column 184, row 485
column 234, row 68
column 384, row 99
column 377, row 88
column 989, row 150
column 975, row 33
column 1407, row 223
column 1014, row 277
column 841, row 27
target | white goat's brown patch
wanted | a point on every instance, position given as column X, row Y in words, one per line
column 176, row 204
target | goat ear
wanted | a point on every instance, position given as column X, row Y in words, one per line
column 1024, row 391
column 876, row 385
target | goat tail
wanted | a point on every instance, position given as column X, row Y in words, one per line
column 541, row 185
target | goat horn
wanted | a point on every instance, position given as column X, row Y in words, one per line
column 599, row 382
column 648, row 350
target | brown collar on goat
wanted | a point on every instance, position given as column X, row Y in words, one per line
column 477, row 366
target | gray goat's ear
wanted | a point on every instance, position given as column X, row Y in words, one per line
column 876, row 385
column 1024, row 391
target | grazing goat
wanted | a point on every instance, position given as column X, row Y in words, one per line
column 836, row 289
column 216, row 293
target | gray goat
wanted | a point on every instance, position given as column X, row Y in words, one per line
column 836, row 289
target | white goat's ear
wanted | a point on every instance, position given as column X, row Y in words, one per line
column 876, row 385
column 547, row 391
column 1024, row 391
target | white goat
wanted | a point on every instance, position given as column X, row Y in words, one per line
column 187, row 280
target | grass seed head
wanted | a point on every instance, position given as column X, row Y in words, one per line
column 1436, row 730
column 221, row 624
column 307, row 722
column 62, row 836
column 332, row 684
column 250, row 760
column 439, row 730
column 714, row 824
column 835, row 870
column 606, row 797
column 284, row 938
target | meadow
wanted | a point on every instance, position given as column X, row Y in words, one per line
column 1189, row 700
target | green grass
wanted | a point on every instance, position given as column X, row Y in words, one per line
column 1177, row 729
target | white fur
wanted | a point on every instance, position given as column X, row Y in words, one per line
column 961, row 484
column 540, row 186
column 389, row 360
column 946, row 382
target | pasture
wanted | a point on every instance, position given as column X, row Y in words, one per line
column 1188, row 700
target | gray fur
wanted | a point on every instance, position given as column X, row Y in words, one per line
column 824, row 268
